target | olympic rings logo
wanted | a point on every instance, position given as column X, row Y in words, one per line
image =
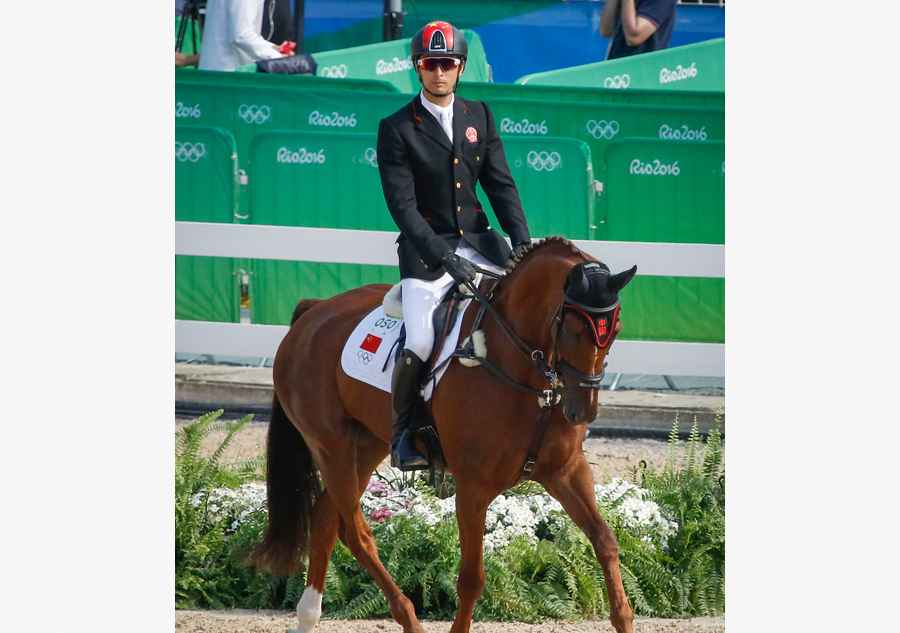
column 602, row 129
column 371, row 157
column 255, row 114
column 544, row 161
column 336, row 72
column 365, row 357
column 619, row 81
column 189, row 151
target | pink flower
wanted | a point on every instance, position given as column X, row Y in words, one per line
column 382, row 515
column 377, row 487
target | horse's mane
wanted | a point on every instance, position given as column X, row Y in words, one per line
column 536, row 247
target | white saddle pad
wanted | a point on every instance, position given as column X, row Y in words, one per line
column 372, row 343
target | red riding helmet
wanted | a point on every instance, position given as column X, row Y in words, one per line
column 439, row 38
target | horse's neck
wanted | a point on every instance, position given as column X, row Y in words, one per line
column 530, row 298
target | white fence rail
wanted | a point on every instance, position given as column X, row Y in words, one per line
column 377, row 247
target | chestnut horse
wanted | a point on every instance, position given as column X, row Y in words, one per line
column 548, row 331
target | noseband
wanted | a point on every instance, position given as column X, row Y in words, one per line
column 601, row 330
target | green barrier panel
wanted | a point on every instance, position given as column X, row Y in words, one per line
column 247, row 110
column 313, row 179
column 668, row 191
column 674, row 309
column 555, row 181
column 599, row 124
column 391, row 62
column 192, row 32
column 664, row 191
column 699, row 66
column 205, row 191
column 272, row 80
column 490, row 91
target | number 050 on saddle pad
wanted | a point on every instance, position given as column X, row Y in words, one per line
column 368, row 355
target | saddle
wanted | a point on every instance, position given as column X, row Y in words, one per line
column 422, row 427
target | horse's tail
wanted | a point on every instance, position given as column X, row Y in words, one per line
column 293, row 486
column 302, row 307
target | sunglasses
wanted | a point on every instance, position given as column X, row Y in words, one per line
column 430, row 64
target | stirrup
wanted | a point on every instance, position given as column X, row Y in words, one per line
column 404, row 455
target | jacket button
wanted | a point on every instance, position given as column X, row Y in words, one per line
column 455, row 161
column 478, row 158
column 458, row 185
column 461, row 231
column 458, row 209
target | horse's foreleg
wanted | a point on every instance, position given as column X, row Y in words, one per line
column 470, row 515
column 573, row 487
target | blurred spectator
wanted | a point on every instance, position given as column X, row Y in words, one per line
column 637, row 26
column 231, row 35
column 182, row 60
column 278, row 23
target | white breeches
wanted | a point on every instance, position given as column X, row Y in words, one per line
column 421, row 297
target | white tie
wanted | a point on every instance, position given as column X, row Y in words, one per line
column 445, row 122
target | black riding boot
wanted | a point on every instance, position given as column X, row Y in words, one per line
column 404, row 389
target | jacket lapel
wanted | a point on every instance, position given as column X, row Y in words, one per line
column 460, row 125
column 428, row 125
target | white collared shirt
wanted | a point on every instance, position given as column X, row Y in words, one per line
column 231, row 35
column 437, row 110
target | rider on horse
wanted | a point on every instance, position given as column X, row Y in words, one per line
column 431, row 153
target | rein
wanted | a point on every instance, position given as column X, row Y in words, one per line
column 548, row 399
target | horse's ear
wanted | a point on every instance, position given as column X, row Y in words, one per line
column 577, row 283
column 620, row 280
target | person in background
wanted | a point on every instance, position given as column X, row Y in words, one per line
column 278, row 24
column 231, row 35
column 637, row 26
column 183, row 61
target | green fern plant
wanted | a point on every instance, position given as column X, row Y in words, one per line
column 689, row 579
column 205, row 564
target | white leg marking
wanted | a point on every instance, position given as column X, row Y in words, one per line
column 308, row 611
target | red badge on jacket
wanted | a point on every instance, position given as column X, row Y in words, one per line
column 472, row 135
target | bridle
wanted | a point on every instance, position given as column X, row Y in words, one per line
column 550, row 398
column 551, row 371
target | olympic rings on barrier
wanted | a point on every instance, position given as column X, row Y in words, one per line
column 336, row 72
column 602, row 129
column 544, row 161
column 255, row 114
column 619, row 81
column 189, row 151
column 365, row 357
column 371, row 157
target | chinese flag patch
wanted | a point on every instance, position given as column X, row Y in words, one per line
column 370, row 344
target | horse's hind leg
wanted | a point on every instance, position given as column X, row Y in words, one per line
column 325, row 526
column 358, row 538
column 573, row 487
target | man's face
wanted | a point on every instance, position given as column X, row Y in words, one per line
column 438, row 74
